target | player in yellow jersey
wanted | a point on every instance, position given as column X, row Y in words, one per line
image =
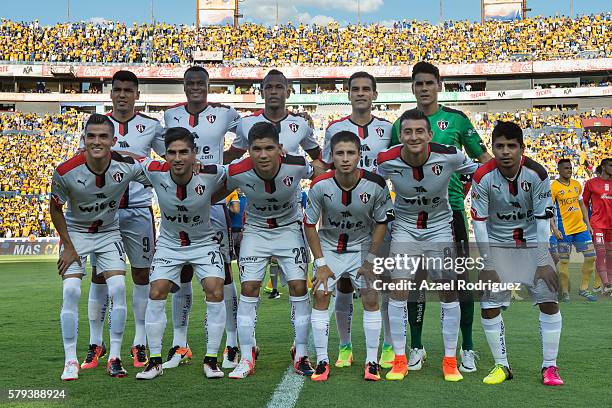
column 572, row 227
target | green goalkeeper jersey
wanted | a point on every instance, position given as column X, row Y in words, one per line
column 451, row 127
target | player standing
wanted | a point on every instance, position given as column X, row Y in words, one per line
column 598, row 195
column 511, row 207
column 186, row 237
column 273, row 227
column 138, row 134
column 209, row 122
column 572, row 227
column 354, row 206
column 375, row 136
column 92, row 184
column 450, row 127
column 420, row 172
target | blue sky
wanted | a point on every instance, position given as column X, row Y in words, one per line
column 264, row 11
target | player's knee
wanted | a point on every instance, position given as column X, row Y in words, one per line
column 157, row 291
column 95, row 278
column 549, row 308
column 490, row 313
column 297, row 287
column 140, row 276
column 250, row 288
column 321, row 300
column 369, row 299
column 214, row 293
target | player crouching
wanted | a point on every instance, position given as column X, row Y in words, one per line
column 186, row 238
column 357, row 207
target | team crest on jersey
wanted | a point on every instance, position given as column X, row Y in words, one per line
column 199, row 189
column 140, row 127
column 575, row 189
column 288, row 181
column 526, row 186
column 606, row 187
column 211, row 118
column 118, row 177
column 365, row 197
column 294, row 127
column 380, row 131
column 562, row 192
column 436, row 169
column 443, row 124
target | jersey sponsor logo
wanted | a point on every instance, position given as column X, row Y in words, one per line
column 380, row 131
column 515, row 204
column 345, row 224
column 442, row 124
column 575, row 189
column 199, row 189
column 400, row 172
column 177, row 119
column 346, row 214
column 422, row 200
column 251, row 186
column 328, row 196
column 437, row 169
column 101, row 196
column 118, row 177
column 606, row 187
column 211, row 118
column 288, row 181
column 273, row 207
column 515, row 216
column 96, row 207
column 195, row 135
column 365, row 197
column 140, row 127
column 420, row 189
column 81, row 182
column 562, row 192
column 182, row 218
column 123, row 144
column 525, row 186
column 496, row 187
column 294, row 127
column 164, row 186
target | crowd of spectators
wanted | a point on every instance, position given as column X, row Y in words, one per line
column 538, row 38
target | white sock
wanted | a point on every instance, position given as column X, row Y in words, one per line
column 398, row 319
column 450, row 314
column 344, row 316
column 155, row 325
column 181, row 306
column 550, row 330
column 69, row 316
column 384, row 312
column 320, row 333
column 230, row 298
column 372, row 322
column 96, row 310
column 495, row 333
column 140, row 298
column 245, row 319
column 300, row 318
column 214, row 325
column 116, row 292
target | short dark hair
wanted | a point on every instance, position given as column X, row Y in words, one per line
column 99, row 119
column 345, row 136
column 424, row 67
column 599, row 169
column 274, row 72
column 264, row 130
column 414, row 114
column 362, row 74
column 509, row 130
column 560, row 162
column 196, row 68
column 127, row 76
column 179, row 133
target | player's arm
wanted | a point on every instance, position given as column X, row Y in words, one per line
column 322, row 273
column 312, row 148
column 223, row 183
column 395, row 132
column 585, row 216
column 59, row 196
column 465, row 164
column 586, row 195
column 472, row 142
column 554, row 229
column 543, row 211
column 325, row 158
column 239, row 145
column 480, row 213
column 159, row 145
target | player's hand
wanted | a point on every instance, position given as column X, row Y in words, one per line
column 67, row 257
column 590, row 229
column 548, row 274
column 367, row 271
column 322, row 275
column 557, row 233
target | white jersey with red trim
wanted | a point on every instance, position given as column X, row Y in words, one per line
column 421, row 201
column 93, row 199
column 185, row 209
column 270, row 203
column 138, row 135
column 348, row 216
column 209, row 127
column 510, row 207
column 295, row 132
column 375, row 137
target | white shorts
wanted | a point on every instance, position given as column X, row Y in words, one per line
column 344, row 265
column 220, row 222
column 206, row 261
column 285, row 243
column 517, row 265
column 138, row 236
column 106, row 246
column 428, row 250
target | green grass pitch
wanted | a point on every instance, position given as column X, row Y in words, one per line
column 32, row 357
